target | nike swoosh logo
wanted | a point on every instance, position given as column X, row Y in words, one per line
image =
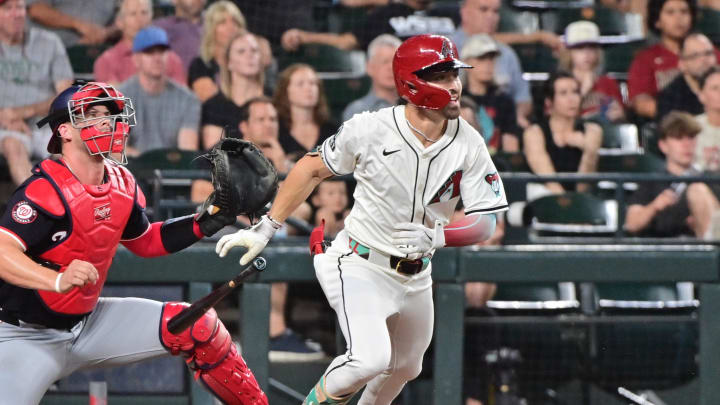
column 386, row 153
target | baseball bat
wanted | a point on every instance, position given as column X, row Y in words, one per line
column 189, row 315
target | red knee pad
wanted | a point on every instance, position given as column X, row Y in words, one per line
column 210, row 352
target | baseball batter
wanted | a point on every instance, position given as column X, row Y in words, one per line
column 412, row 163
column 57, row 240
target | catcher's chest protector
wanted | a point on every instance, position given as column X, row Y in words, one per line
column 210, row 352
column 98, row 217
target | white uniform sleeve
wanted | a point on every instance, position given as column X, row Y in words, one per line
column 340, row 151
column 481, row 187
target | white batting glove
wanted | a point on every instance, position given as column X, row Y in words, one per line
column 254, row 239
column 416, row 240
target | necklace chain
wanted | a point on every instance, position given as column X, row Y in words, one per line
column 420, row 132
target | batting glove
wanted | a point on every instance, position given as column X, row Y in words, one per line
column 254, row 239
column 416, row 240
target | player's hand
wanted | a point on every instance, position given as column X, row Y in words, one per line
column 77, row 274
column 254, row 239
column 416, row 240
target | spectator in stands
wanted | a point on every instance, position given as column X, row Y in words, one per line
column 669, row 209
column 115, row 65
column 655, row 67
column 707, row 151
column 496, row 110
column 303, row 110
column 223, row 20
column 483, row 17
column 259, row 125
column 35, row 67
column 697, row 56
column 330, row 200
column 184, row 29
column 167, row 113
column 601, row 97
column 87, row 22
column 403, row 19
column 241, row 79
column 562, row 142
column 379, row 67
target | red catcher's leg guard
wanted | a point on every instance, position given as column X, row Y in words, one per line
column 211, row 353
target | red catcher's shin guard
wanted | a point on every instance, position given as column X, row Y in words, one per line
column 210, row 352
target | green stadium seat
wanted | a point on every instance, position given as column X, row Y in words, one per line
column 649, row 353
column 510, row 162
column 343, row 91
column 82, row 57
column 620, row 139
column 610, row 22
column 618, row 57
column 708, row 22
column 513, row 20
column 549, row 353
column 324, row 58
column 535, row 58
column 641, row 163
column 568, row 215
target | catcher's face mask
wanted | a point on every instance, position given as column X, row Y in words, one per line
column 104, row 117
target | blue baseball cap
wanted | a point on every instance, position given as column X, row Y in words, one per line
column 150, row 37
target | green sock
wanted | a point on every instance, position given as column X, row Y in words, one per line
column 318, row 396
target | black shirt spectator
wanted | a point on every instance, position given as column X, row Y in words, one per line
column 293, row 149
column 496, row 110
column 220, row 111
column 678, row 96
column 671, row 221
column 198, row 69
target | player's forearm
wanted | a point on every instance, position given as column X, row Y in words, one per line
column 470, row 230
column 297, row 187
column 18, row 269
column 50, row 17
column 167, row 237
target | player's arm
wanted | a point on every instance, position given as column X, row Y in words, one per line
column 155, row 239
column 300, row 182
column 471, row 229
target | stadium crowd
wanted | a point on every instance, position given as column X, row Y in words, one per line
column 197, row 70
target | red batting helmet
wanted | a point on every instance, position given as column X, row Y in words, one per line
column 418, row 54
column 73, row 103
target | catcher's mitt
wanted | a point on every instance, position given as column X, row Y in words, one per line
column 244, row 181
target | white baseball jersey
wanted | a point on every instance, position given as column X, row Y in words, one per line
column 400, row 180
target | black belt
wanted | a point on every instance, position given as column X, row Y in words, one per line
column 400, row 264
column 7, row 318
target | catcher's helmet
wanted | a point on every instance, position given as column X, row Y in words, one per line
column 417, row 55
column 71, row 106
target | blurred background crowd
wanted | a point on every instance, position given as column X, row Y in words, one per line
column 628, row 86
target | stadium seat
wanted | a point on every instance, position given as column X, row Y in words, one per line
column 610, row 22
column 341, row 92
column 324, row 58
column 513, row 20
column 643, row 351
column 618, row 57
column 535, row 58
column 517, row 319
column 167, row 197
column 641, row 163
column 620, row 139
column 82, row 57
column 510, row 162
column 708, row 23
